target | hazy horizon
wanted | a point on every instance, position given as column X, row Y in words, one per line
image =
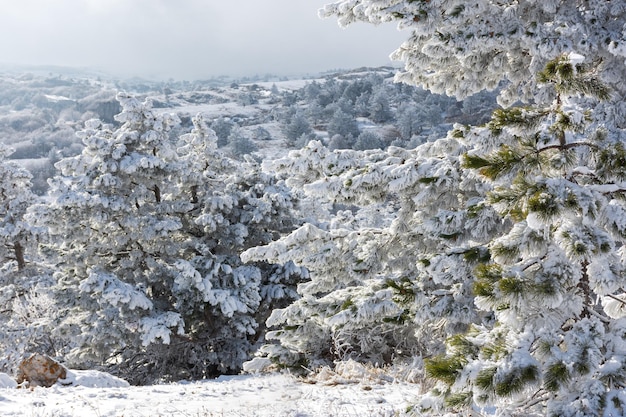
column 189, row 39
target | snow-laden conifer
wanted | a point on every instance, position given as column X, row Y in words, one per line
column 23, row 281
column 17, row 236
column 461, row 48
column 555, row 282
column 391, row 277
column 235, row 207
column 114, row 222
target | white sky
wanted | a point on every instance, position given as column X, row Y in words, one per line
column 188, row 39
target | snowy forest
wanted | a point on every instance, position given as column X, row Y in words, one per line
column 463, row 217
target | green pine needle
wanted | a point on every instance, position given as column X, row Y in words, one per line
column 556, row 375
column 459, row 400
column 485, row 379
column 477, row 254
column 511, row 286
column 516, row 381
column 444, row 369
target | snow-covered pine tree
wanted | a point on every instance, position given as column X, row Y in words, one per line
column 235, row 207
column 239, row 143
column 295, row 127
column 16, row 235
column 391, row 277
column 368, row 140
column 343, row 124
column 339, row 142
column 379, row 106
column 409, row 121
column 222, row 128
column 461, row 48
column 22, row 279
column 115, row 236
column 555, row 282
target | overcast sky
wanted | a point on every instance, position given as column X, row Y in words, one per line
column 188, row 39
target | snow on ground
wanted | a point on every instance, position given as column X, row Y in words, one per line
column 289, row 85
column 275, row 395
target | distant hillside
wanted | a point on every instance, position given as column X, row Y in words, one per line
column 41, row 108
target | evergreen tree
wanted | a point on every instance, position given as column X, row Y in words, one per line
column 236, row 207
column 409, row 122
column 392, row 277
column 355, row 89
column 460, row 49
column 380, row 111
column 368, row 140
column 296, row 126
column 361, row 105
column 314, row 112
column 343, row 124
column 344, row 105
column 114, row 223
column 339, row 142
column 312, row 90
column 222, row 128
column 239, row 143
column 16, row 235
column 261, row 133
column 554, row 283
column 26, row 309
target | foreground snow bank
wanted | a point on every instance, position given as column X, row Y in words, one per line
column 6, row 381
column 93, row 379
column 236, row 396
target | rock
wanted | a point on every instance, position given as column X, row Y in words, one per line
column 6, row 381
column 40, row 371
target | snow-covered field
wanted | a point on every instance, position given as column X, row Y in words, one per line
column 245, row 395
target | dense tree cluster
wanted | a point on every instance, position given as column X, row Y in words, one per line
column 143, row 235
column 338, row 110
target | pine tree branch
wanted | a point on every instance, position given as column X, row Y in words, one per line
column 534, row 401
column 568, row 146
column 532, row 262
column 616, row 299
column 599, row 316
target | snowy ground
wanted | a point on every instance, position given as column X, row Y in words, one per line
column 263, row 395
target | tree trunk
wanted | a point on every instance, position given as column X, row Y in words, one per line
column 157, row 193
column 19, row 255
column 194, row 194
column 585, row 287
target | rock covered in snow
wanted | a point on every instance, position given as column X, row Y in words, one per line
column 40, row 371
